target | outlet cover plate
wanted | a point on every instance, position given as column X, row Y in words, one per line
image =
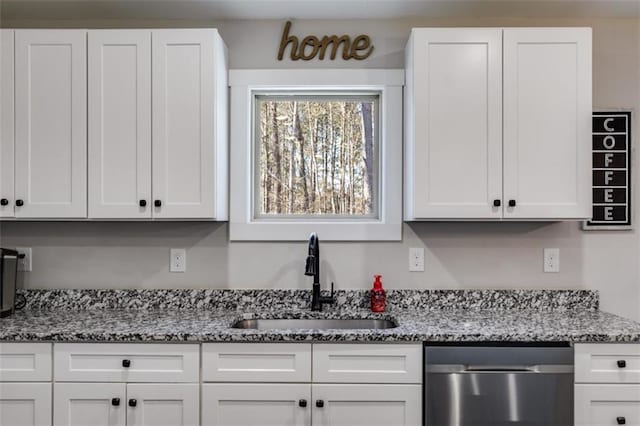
column 26, row 263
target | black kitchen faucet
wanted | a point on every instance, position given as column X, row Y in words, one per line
column 312, row 268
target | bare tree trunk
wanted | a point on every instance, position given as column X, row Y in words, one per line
column 297, row 130
column 277, row 156
column 367, row 134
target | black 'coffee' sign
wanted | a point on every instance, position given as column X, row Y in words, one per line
column 611, row 174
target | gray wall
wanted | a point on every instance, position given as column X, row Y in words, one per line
column 458, row 255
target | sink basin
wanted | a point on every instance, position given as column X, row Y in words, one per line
column 314, row 324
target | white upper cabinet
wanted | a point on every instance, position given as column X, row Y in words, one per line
column 453, row 121
column 547, row 123
column 119, row 76
column 189, row 124
column 498, row 124
column 175, row 168
column 7, row 141
column 50, row 124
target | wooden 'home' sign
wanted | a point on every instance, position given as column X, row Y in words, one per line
column 611, row 175
column 311, row 46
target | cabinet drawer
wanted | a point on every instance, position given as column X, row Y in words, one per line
column 124, row 362
column 607, row 363
column 607, row 405
column 25, row 362
column 256, row 362
column 370, row 363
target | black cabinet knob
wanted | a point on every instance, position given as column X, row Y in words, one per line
column 143, row 203
column 19, row 203
column 621, row 420
column 496, row 203
column 621, row 363
column 512, row 203
column 115, row 401
column 133, row 402
column 126, row 363
column 4, row 202
column 319, row 403
column 302, row 403
column 157, row 203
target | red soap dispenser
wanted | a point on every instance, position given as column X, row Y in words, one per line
column 378, row 296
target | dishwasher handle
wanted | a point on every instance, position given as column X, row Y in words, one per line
column 500, row 369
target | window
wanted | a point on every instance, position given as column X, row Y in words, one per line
column 316, row 156
column 316, row 150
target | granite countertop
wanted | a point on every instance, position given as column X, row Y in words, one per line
column 214, row 326
column 207, row 316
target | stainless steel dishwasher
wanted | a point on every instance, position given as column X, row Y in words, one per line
column 498, row 385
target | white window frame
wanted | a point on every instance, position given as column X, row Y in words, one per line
column 387, row 226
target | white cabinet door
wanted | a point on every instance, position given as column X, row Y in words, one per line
column 7, row 141
column 184, row 76
column 51, row 123
column 256, row 404
column 163, row 405
column 95, row 404
column 547, row 123
column 367, row 405
column 119, row 114
column 604, row 405
column 25, row 404
column 453, row 124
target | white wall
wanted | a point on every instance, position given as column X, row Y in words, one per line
column 458, row 255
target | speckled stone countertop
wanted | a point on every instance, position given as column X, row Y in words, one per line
column 207, row 316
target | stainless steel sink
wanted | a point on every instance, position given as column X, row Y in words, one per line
column 314, row 324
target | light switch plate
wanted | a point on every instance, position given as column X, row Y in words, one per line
column 25, row 264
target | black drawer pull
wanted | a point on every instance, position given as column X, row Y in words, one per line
column 115, row 401
column 126, row 363
column 496, row 203
column 157, row 203
column 19, row 203
column 302, row 403
column 133, row 402
column 143, row 203
column 4, row 202
column 319, row 403
column 621, row 420
column 621, row 363
column 512, row 203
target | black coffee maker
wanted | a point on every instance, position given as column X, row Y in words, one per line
column 8, row 278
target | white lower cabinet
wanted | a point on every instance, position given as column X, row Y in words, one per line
column 25, row 404
column 607, row 389
column 268, row 404
column 84, row 404
column 366, row 405
column 163, row 404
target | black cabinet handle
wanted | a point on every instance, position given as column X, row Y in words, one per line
column 157, row 203
column 4, row 202
column 496, row 203
column 115, row 401
column 621, row 363
column 19, row 203
column 512, row 203
column 143, row 203
column 133, row 402
column 302, row 403
column 126, row 363
column 319, row 403
column 621, row 420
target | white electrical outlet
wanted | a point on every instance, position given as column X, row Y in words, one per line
column 25, row 264
column 552, row 260
column 416, row 259
column 178, row 260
